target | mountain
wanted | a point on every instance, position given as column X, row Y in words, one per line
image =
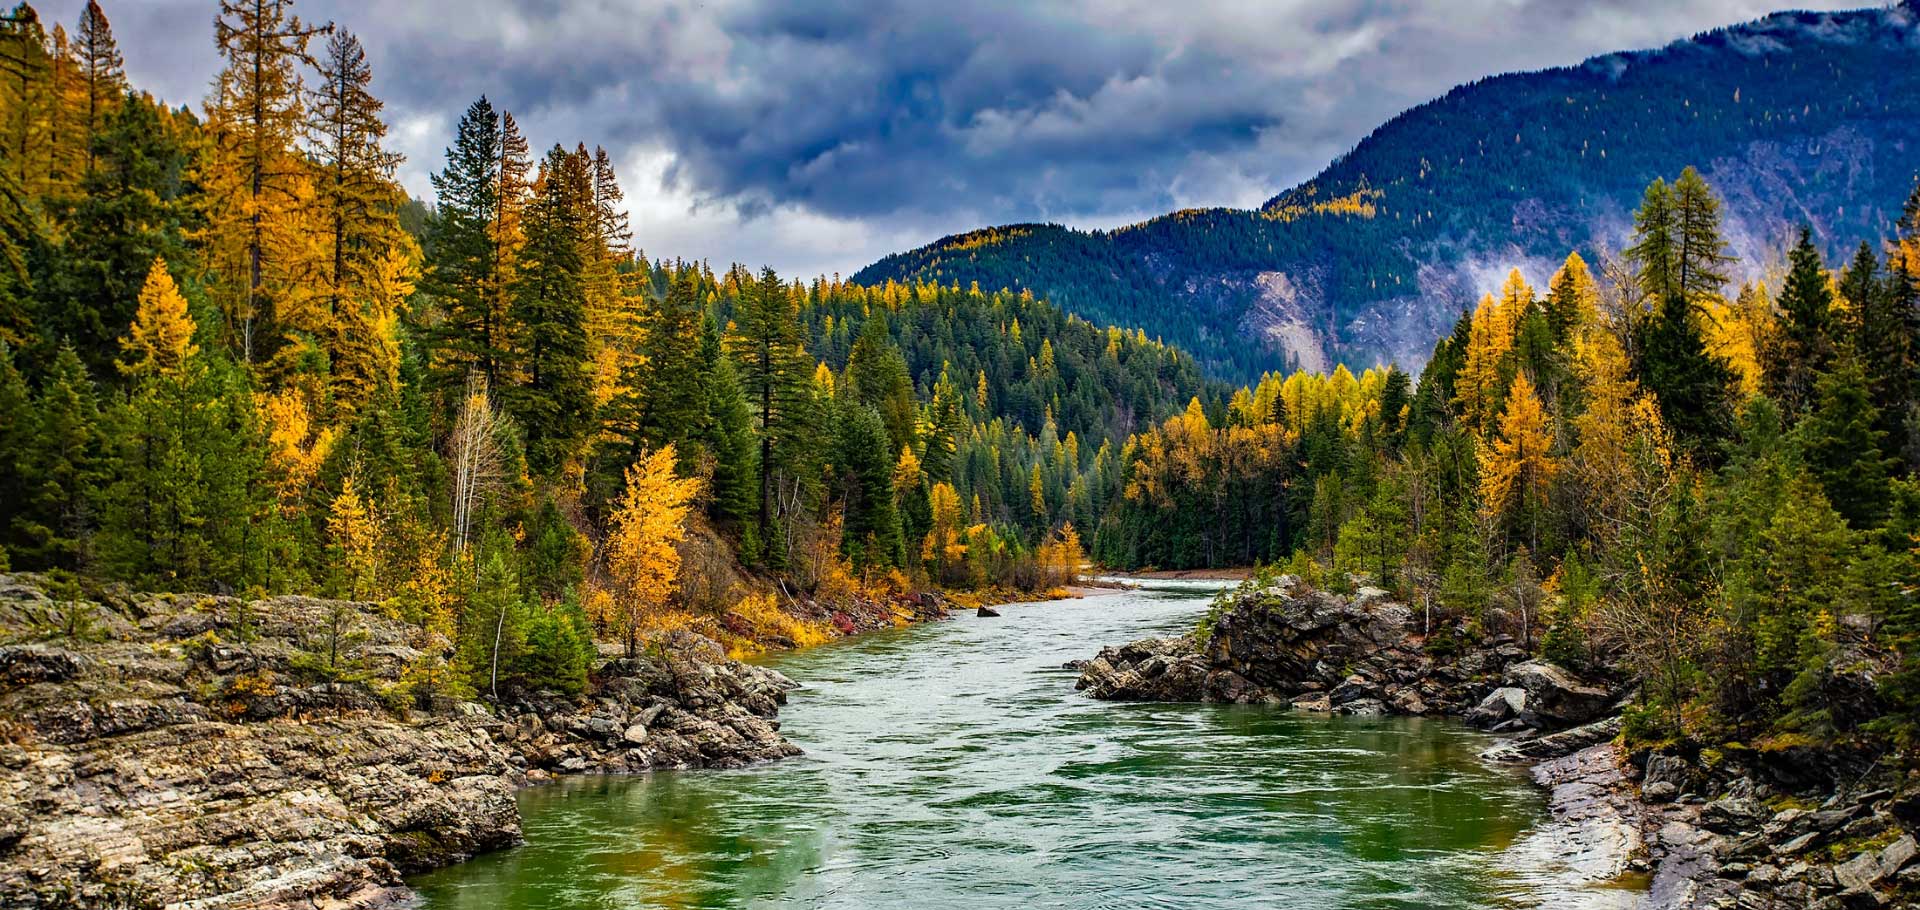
column 1796, row 117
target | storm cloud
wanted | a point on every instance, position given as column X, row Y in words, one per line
column 818, row 136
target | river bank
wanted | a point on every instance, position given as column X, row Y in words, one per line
column 1794, row 828
column 180, row 750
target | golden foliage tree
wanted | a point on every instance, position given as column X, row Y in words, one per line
column 1520, row 466
column 255, row 181
column 642, row 547
column 354, row 531
column 161, row 339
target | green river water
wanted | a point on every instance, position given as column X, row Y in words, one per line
column 951, row 765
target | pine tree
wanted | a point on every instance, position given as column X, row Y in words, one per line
column 61, row 471
column 877, row 377
column 1885, row 323
column 1573, row 300
column 1842, row 445
column 463, row 270
column 767, row 343
column 16, row 433
column 103, row 78
column 554, row 405
column 726, row 431
column 870, row 535
column 131, row 211
column 667, row 396
column 1803, row 345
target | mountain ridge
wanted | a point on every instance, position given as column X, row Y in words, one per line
column 1796, row 116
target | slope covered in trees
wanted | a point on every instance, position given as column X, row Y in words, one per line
column 1646, row 474
column 1795, row 117
column 234, row 358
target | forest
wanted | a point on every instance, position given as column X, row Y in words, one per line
column 1629, row 472
column 236, row 357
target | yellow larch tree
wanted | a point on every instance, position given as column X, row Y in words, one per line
column 1478, row 389
column 1520, row 465
column 642, row 546
column 161, row 339
column 297, row 445
column 354, row 531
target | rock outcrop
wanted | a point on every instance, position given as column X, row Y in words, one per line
column 183, row 754
column 1362, row 654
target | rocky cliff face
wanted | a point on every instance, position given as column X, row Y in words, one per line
column 179, row 756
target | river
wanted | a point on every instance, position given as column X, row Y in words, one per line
column 951, row 765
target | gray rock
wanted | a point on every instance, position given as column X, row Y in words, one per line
column 1660, row 791
column 1502, row 704
column 987, row 611
column 1732, row 814
column 1555, row 696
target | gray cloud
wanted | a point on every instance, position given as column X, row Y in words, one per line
column 820, row 135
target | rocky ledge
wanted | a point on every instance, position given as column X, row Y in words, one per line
column 1791, row 828
column 1362, row 655
column 179, row 756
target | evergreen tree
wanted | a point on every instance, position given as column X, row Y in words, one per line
column 463, row 268
column 1655, row 249
column 1886, row 322
column 767, row 343
column 871, row 531
column 1700, row 253
column 726, row 432
column 877, row 377
column 103, row 78
column 1802, row 347
column 667, row 397
column 554, row 405
column 1693, row 386
column 61, row 471
column 132, row 210
column 1841, row 445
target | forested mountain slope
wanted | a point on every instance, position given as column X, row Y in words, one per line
column 1797, row 117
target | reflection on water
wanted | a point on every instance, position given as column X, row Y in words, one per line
column 952, row 765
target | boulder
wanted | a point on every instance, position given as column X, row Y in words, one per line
column 1555, row 696
column 1502, row 704
column 987, row 611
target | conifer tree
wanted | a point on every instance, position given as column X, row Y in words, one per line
column 1842, row 445
column 643, row 559
column 463, row 270
column 1655, row 248
column 131, row 210
column 356, row 207
column 870, row 535
column 767, row 343
column 1700, row 254
column 103, row 79
column 667, row 396
column 726, row 431
column 554, row 404
column 160, row 340
column 26, row 78
column 61, row 470
column 16, row 433
column 1886, row 322
column 877, row 377
column 1802, row 347
column 1516, row 477
column 254, row 180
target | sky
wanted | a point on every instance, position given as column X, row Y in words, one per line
column 819, row 136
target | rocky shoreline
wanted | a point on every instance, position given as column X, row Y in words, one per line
column 178, row 756
column 1795, row 828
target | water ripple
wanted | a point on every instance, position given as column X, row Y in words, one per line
column 952, row 766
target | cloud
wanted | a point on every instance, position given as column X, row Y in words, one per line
column 818, row 136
